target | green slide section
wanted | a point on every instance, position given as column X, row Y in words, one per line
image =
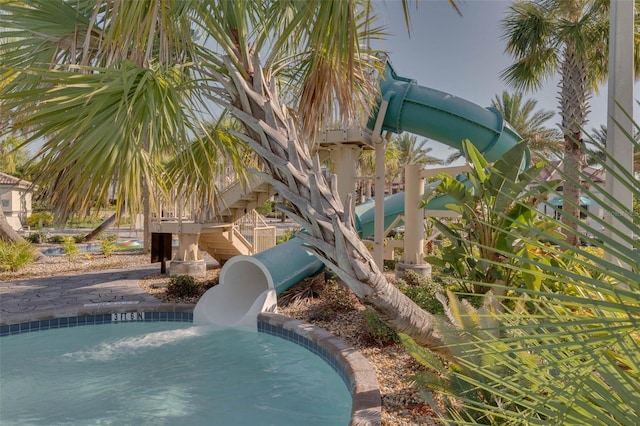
column 442, row 117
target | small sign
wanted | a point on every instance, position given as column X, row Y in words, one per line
column 127, row 316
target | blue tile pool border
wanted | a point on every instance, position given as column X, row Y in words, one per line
column 76, row 321
column 353, row 368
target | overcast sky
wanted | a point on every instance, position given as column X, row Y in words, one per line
column 464, row 55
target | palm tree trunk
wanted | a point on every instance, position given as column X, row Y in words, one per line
column 316, row 206
column 570, row 188
column 7, row 233
column 101, row 228
column 574, row 96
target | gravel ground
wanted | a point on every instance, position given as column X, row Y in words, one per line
column 402, row 405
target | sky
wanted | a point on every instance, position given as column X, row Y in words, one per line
column 464, row 55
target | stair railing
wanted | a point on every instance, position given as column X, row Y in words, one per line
column 256, row 231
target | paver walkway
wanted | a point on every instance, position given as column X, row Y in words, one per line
column 25, row 299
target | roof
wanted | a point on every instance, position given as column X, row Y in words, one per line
column 8, row 180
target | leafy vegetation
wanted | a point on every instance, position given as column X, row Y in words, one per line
column 107, row 246
column 565, row 350
column 497, row 211
column 40, row 220
column 377, row 330
column 14, row 256
column 183, row 286
column 70, row 248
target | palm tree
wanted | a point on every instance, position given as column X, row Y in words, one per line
column 131, row 80
column 12, row 156
column 599, row 137
column 569, row 37
column 410, row 151
column 529, row 123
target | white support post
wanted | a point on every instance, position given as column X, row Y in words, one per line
column 413, row 217
column 413, row 257
column 380, row 149
column 345, row 160
column 620, row 99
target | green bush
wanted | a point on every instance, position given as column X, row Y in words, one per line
column 285, row 236
column 35, row 238
column 389, row 264
column 14, row 256
column 267, row 208
column 56, row 239
column 377, row 330
column 39, row 220
column 414, row 279
column 107, row 246
column 79, row 238
column 70, row 248
column 110, row 237
column 183, row 286
column 423, row 295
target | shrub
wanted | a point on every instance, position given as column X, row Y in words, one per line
column 107, row 246
column 36, row 237
column 183, row 286
column 377, row 330
column 389, row 264
column 414, row 279
column 14, row 256
column 267, row 208
column 39, row 220
column 285, row 236
column 79, row 238
column 70, row 248
column 423, row 295
column 111, row 237
column 56, row 239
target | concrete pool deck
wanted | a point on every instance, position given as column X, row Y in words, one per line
column 105, row 292
column 26, row 299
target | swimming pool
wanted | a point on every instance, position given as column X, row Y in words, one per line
column 165, row 373
column 348, row 363
column 95, row 247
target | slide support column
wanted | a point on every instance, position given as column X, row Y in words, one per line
column 345, row 160
column 413, row 256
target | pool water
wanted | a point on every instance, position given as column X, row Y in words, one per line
column 165, row 374
column 96, row 247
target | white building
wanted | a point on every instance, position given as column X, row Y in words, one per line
column 15, row 197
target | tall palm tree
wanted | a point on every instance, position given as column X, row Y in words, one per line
column 569, row 37
column 522, row 115
column 131, row 79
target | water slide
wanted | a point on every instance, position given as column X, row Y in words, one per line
column 250, row 284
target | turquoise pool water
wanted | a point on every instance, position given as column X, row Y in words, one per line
column 96, row 247
column 165, row 374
